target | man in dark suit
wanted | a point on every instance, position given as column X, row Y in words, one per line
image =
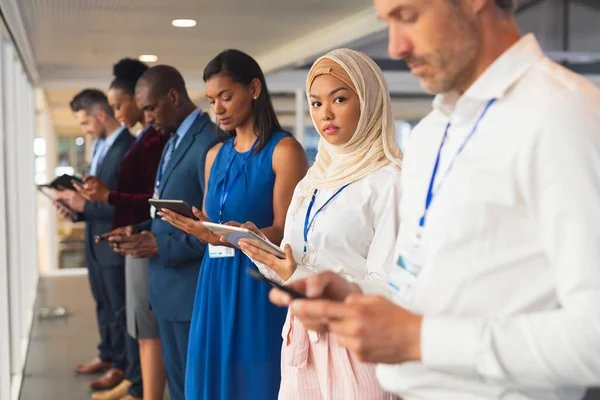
column 175, row 257
column 105, row 268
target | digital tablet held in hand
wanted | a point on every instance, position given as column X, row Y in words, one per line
column 233, row 234
column 65, row 181
column 257, row 275
column 178, row 206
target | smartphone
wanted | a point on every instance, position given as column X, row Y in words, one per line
column 257, row 275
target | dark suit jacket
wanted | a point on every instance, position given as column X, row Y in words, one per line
column 99, row 215
column 173, row 274
column 137, row 175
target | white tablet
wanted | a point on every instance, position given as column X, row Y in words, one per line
column 233, row 234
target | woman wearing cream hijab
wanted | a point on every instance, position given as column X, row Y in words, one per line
column 343, row 217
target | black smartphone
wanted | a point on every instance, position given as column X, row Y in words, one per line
column 257, row 275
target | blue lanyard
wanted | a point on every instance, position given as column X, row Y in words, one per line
column 137, row 139
column 430, row 193
column 224, row 192
column 308, row 221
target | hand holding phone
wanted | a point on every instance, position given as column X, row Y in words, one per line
column 257, row 275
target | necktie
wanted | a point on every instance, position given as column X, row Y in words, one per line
column 168, row 153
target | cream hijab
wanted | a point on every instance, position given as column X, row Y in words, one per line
column 373, row 144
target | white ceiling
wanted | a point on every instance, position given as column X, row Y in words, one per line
column 90, row 35
column 74, row 43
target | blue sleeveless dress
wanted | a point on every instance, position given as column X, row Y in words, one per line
column 234, row 349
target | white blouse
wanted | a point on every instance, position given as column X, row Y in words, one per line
column 354, row 235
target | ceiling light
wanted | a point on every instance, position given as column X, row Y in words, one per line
column 148, row 58
column 184, row 23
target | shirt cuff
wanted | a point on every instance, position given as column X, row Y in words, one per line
column 452, row 344
column 301, row 272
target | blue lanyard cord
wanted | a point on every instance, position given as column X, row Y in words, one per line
column 226, row 189
column 308, row 222
column 430, row 192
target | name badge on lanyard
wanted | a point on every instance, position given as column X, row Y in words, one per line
column 220, row 251
column 403, row 276
column 410, row 262
column 155, row 196
column 224, row 251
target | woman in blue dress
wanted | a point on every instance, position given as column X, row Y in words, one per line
column 235, row 337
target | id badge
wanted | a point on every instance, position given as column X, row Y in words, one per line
column 403, row 277
column 155, row 196
column 220, row 251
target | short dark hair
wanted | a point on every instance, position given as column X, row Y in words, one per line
column 90, row 99
column 127, row 72
column 161, row 79
column 242, row 68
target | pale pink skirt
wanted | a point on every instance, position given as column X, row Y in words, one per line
column 316, row 367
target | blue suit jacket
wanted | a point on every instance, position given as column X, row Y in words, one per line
column 99, row 215
column 173, row 274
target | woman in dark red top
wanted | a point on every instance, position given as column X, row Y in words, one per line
column 137, row 174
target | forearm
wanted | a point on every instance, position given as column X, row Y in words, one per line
column 273, row 233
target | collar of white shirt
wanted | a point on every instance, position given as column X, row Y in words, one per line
column 495, row 81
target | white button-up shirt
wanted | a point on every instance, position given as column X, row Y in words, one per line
column 353, row 235
column 510, row 282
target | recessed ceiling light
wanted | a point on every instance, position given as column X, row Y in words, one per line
column 148, row 58
column 184, row 23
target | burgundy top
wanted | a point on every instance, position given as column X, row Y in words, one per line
column 137, row 175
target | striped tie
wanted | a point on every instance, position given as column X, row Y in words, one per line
column 169, row 153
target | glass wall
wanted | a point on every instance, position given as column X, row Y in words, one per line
column 18, row 240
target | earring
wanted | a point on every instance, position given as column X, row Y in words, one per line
column 255, row 97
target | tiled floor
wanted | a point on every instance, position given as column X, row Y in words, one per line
column 57, row 345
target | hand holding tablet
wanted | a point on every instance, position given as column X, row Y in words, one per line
column 234, row 234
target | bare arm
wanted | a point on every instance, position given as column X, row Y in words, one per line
column 290, row 166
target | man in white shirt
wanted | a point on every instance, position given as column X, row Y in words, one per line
column 496, row 292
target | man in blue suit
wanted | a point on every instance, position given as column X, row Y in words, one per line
column 106, row 270
column 175, row 257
